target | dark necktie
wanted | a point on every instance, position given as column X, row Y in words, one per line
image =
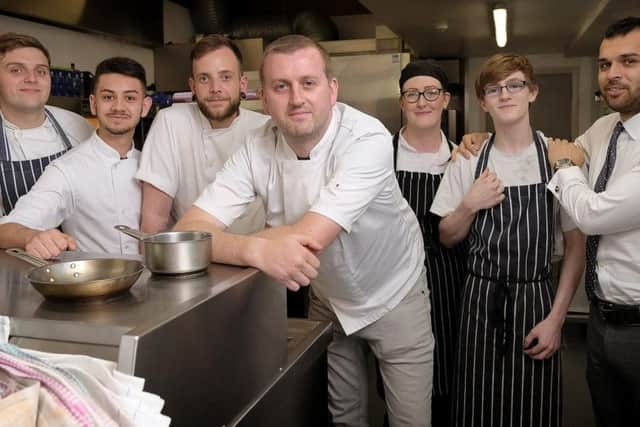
column 591, row 275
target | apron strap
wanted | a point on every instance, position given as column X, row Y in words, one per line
column 483, row 159
column 396, row 137
column 58, row 128
column 395, row 150
column 5, row 152
column 541, row 148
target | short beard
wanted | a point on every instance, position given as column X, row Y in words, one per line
column 631, row 108
column 231, row 110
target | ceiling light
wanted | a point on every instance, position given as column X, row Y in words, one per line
column 500, row 24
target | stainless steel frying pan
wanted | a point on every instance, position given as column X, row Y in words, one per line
column 81, row 279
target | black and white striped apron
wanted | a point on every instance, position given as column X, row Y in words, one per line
column 17, row 177
column 508, row 292
column 445, row 271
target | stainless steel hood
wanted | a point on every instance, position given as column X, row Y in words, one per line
column 138, row 22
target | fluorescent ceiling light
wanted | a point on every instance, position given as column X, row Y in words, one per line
column 500, row 24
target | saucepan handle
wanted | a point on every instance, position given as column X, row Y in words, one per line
column 24, row 256
column 136, row 234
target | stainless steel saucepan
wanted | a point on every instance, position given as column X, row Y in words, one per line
column 80, row 279
column 173, row 252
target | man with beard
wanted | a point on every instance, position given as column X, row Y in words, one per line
column 604, row 205
column 337, row 220
column 91, row 188
column 188, row 143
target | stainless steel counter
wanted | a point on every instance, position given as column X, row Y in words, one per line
column 206, row 343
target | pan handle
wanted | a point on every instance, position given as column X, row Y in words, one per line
column 136, row 234
column 24, row 256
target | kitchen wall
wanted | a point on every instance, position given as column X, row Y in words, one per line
column 83, row 49
column 177, row 25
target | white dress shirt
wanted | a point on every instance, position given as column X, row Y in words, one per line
column 182, row 154
column 87, row 191
column 615, row 213
column 41, row 141
column 377, row 258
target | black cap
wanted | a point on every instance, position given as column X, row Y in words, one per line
column 424, row 67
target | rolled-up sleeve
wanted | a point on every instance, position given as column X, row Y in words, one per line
column 47, row 204
column 611, row 211
column 361, row 174
column 159, row 162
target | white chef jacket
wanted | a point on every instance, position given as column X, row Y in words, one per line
column 512, row 169
column 182, row 155
column 408, row 159
column 615, row 213
column 41, row 141
column 377, row 258
column 87, row 191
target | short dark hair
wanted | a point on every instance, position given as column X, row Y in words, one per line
column 13, row 41
column 622, row 27
column 121, row 65
column 293, row 43
column 211, row 43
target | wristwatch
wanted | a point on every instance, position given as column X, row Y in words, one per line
column 562, row 163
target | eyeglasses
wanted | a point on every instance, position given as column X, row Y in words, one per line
column 430, row 94
column 512, row 86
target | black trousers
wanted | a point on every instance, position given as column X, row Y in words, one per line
column 613, row 371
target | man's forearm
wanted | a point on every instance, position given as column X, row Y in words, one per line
column 572, row 269
column 454, row 227
column 14, row 235
column 227, row 248
column 156, row 209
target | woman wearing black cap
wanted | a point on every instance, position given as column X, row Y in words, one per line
column 421, row 154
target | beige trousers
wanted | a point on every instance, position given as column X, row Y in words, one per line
column 402, row 342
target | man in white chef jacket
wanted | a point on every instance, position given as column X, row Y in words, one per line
column 339, row 222
column 189, row 142
column 31, row 133
column 92, row 187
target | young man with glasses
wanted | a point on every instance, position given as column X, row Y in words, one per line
column 421, row 154
column 507, row 366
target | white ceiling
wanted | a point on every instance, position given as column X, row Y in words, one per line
column 571, row 27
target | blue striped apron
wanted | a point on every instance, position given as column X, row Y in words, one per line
column 17, row 177
column 507, row 292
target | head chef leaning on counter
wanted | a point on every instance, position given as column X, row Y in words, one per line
column 92, row 187
column 31, row 134
column 338, row 221
column 188, row 143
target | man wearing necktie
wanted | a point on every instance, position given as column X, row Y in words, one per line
column 605, row 205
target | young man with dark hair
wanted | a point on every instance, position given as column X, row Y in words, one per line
column 338, row 221
column 604, row 205
column 92, row 187
column 508, row 370
column 189, row 143
column 31, row 135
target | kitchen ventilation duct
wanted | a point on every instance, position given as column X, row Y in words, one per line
column 210, row 16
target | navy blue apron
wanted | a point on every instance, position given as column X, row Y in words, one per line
column 507, row 292
column 445, row 270
column 17, row 177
